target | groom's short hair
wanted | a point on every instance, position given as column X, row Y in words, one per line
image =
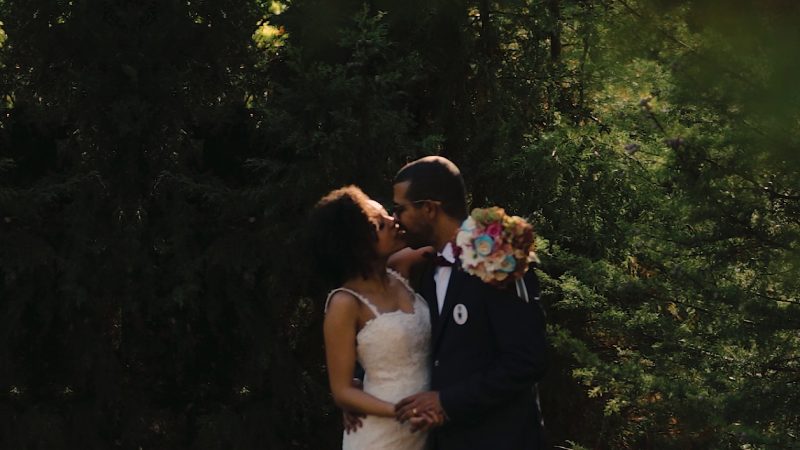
column 436, row 178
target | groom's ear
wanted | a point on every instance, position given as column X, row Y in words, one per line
column 432, row 209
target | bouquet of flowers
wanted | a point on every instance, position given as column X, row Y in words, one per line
column 494, row 246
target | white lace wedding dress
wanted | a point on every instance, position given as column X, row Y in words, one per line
column 393, row 348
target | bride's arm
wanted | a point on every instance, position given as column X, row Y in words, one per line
column 339, row 329
column 403, row 260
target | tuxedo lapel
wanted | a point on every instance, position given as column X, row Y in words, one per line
column 428, row 291
column 421, row 278
column 457, row 279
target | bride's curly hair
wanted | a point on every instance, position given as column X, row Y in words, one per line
column 341, row 236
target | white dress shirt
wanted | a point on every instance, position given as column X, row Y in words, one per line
column 442, row 275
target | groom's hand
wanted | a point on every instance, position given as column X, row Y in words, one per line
column 417, row 404
column 425, row 421
column 352, row 420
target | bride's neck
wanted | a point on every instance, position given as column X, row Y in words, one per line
column 376, row 280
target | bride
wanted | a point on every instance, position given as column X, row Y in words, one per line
column 374, row 318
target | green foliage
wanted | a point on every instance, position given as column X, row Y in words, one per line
column 673, row 286
column 157, row 162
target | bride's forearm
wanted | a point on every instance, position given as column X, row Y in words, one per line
column 356, row 400
column 403, row 260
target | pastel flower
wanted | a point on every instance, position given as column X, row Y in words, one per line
column 469, row 259
column 492, row 263
column 494, row 230
column 495, row 246
column 464, row 239
column 508, row 264
column 469, row 224
column 483, row 245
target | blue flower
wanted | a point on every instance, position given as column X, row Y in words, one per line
column 484, row 244
column 509, row 264
column 468, row 225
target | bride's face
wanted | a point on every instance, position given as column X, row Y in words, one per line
column 390, row 238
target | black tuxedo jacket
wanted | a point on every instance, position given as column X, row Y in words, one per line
column 488, row 351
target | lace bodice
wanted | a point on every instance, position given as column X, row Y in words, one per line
column 393, row 348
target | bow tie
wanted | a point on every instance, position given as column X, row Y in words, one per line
column 441, row 261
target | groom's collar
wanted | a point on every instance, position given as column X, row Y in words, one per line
column 447, row 252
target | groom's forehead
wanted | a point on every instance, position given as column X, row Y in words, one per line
column 401, row 189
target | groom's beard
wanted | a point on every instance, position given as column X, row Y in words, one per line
column 419, row 239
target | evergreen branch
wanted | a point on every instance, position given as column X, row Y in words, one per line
column 693, row 50
column 663, row 32
column 532, row 4
column 775, row 194
column 774, row 299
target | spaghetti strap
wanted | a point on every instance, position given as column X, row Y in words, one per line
column 356, row 295
column 402, row 280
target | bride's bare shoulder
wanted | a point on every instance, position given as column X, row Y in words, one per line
column 341, row 302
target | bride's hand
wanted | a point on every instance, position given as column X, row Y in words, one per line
column 426, row 420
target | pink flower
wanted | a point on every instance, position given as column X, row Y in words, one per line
column 494, row 230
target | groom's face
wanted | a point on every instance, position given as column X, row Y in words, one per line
column 411, row 217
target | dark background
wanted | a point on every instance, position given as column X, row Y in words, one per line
column 158, row 157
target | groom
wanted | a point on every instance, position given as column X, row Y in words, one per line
column 487, row 346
